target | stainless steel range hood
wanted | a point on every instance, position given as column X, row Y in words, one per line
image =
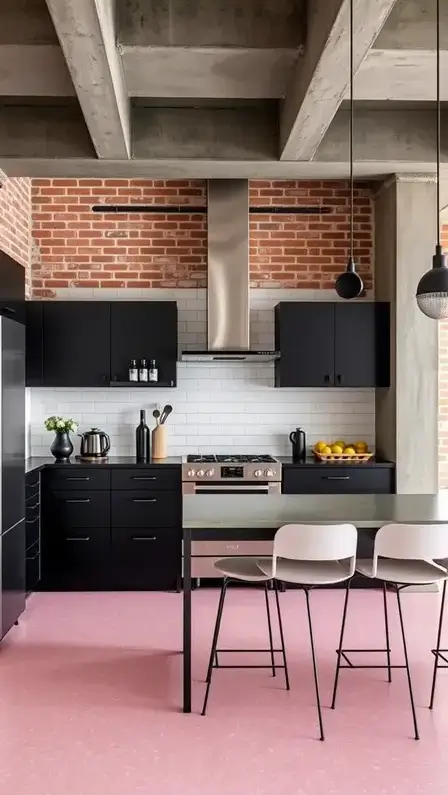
column 228, row 277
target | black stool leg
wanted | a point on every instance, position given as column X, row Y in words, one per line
column 406, row 659
column 313, row 653
column 386, row 624
column 282, row 638
column 436, row 655
column 225, row 583
column 268, row 611
column 341, row 640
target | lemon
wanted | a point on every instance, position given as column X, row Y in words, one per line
column 350, row 451
column 361, row 447
column 336, row 448
column 326, row 450
column 319, row 446
column 340, row 443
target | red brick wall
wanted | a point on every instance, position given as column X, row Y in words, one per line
column 75, row 247
column 443, row 389
column 15, row 219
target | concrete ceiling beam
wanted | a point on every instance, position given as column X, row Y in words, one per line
column 86, row 31
column 28, row 70
column 321, row 77
column 411, row 25
column 205, row 72
column 400, row 75
column 43, row 132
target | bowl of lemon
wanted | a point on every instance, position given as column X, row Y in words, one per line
column 342, row 451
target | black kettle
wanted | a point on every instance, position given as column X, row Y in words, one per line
column 298, row 441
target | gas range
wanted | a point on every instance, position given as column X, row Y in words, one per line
column 240, row 473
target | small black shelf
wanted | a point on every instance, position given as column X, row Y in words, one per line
column 144, row 384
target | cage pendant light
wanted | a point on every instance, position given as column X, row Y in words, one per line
column 432, row 289
column 349, row 284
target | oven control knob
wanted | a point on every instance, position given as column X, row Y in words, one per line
column 191, row 473
column 200, row 473
column 258, row 473
column 269, row 473
column 210, row 473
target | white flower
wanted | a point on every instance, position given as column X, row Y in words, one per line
column 60, row 424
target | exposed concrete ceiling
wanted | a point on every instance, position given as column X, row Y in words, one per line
column 217, row 87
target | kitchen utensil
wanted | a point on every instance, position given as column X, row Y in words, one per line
column 94, row 443
column 156, row 415
column 298, row 441
column 165, row 413
column 159, row 442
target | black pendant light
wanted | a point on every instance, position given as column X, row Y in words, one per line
column 432, row 290
column 349, row 284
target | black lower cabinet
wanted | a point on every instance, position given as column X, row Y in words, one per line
column 107, row 538
column 145, row 559
column 32, row 530
column 13, row 576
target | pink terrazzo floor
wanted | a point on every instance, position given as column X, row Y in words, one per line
column 90, row 691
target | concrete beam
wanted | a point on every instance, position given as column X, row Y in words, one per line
column 86, row 31
column 221, row 72
column 205, row 134
column 411, row 25
column 203, row 23
column 391, row 135
column 34, row 70
column 400, row 75
column 37, row 132
column 26, row 22
column 321, row 77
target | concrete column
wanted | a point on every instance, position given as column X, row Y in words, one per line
column 407, row 413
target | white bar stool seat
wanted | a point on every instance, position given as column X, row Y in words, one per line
column 308, row 572
column 405, row 572
column 246, row 569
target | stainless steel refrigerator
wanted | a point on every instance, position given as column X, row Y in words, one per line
column 12, row 472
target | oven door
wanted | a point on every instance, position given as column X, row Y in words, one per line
column 231, row 488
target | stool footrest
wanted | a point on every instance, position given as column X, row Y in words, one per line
column 441, row 653
column 349, row 664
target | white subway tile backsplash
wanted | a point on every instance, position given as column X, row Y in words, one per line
column 217, row 407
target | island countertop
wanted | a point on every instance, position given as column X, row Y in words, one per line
column 362, row 510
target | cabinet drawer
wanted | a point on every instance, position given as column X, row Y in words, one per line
column 224, row 549
column 145, row 559
column 153, row 478
column 205, row 567
column 76, row 477
column 32, row 510
column 32, row 527
column 75, row 559
column 32, row 486
column 32, row 565
column 145, row 509
column 32, row 497
column 80, row 509
column 332, row 479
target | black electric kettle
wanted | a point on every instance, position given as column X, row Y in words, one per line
column 298, row 441
column 94, row 443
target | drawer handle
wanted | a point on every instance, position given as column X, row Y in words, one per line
column 77, row 500
column 32, row 496
column 144, row 538
column 145, row 477
column 78, row 538
column 84, row 479
column 232, row 546
column 33, row 557
column 31, row 507
column 31, row 521
column 336, row 477
column 153, row 499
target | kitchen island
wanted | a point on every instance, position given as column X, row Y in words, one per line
column 247, row 517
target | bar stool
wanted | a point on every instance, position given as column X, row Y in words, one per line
column 403, row 555
column 440, row 658
column 304, row 555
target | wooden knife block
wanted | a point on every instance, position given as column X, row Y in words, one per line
column 159, row 442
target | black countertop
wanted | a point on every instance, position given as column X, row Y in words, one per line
column 312, row 461
column 39, row 462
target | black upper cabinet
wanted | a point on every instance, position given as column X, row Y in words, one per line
column 144, row 330
column 332, row 344
column 76, row 343
column 91, row 343
column 12, row 288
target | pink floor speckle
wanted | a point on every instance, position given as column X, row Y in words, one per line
column 90, row 693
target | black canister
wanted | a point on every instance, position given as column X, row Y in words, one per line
column 298, row 441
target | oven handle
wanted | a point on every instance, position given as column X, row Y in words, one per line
column 233, row 488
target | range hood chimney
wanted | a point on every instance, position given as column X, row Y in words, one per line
column 228, row 277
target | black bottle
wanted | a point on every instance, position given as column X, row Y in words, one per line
column 142, row 439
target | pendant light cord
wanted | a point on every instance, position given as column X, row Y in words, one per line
column 352, row 192
column 438, row 117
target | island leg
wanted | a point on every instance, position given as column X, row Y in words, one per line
column 186, row 657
